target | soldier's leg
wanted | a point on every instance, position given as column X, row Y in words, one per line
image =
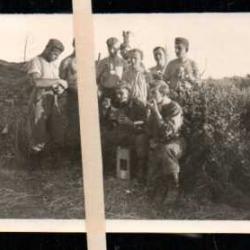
column 109, row 144
column 141, row 149
column 38, row 123
column 153, row 173
column 171, row 167
column 57, row 121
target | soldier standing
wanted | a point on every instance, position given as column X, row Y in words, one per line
column 47, row 87
column 136, row 76
column 182, row 73
column 160, row 57
column 110, row 69
column 68, row 72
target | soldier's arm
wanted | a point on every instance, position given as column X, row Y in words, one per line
column 45, row 83
column 35, row 73
column 63, row 69
column 166, row 74
column 100, row 68
column 195, row 78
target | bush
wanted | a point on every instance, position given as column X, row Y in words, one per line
column 216, row 127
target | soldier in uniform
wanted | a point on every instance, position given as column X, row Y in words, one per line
column 166, row 144
column 136, row 76
column 68, row 72
column 160, row 57
column 110, row 69
column 124, row 123
column 47, row 88
column 181, row 73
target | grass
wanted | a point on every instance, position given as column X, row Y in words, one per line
column 47, row 188
column 129, row 200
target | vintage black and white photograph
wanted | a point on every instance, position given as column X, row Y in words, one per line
column 173, row 95
column 41, row 167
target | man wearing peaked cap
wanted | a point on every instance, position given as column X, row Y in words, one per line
column 47, row 86
column 110, row 69
column 112, row 41
column 55, row 44
column 182, row 73
column 182, row 40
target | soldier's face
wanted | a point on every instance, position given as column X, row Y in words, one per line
column 159, row 56
column 156, row 95
column 180, row 50
column 106, row 103
column 53, row 55
column 135, row 59
column 113, row 49
column 122, row 95
column 124, row 52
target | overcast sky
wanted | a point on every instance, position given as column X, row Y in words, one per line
column 38, row 29
column 220, row 43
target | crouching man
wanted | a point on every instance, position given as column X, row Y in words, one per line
column 166, row 144
column 124, row 126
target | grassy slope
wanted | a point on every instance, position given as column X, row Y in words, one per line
column 52, row 190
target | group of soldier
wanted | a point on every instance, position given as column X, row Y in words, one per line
column 53, row 95
column 135, row 104
column 137, row 110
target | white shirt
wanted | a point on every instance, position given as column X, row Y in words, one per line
column 45, row 69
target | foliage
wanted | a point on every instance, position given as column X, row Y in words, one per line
column 217, row 124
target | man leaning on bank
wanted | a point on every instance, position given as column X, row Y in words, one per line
column 47, row 86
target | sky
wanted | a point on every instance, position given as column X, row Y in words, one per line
column 219, row 43
column 37, row 30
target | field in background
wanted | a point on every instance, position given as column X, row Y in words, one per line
column 51, row 189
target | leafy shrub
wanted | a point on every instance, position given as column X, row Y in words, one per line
column 217, row 126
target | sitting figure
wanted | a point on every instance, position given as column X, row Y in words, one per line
column 166, row 145
column 123, row 125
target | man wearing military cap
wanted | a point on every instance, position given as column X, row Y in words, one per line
column 44, row 100
column 182, row 72
column 125, row 127
column 110, row 69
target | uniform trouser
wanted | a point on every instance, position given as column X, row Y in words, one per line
column 164, row 163
column 46, row 118
column 137, row 142
column 73, row 131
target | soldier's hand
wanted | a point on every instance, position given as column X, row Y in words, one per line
column 123, row 120
column 154, row 106
column 58, row 89
column 63, row 83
